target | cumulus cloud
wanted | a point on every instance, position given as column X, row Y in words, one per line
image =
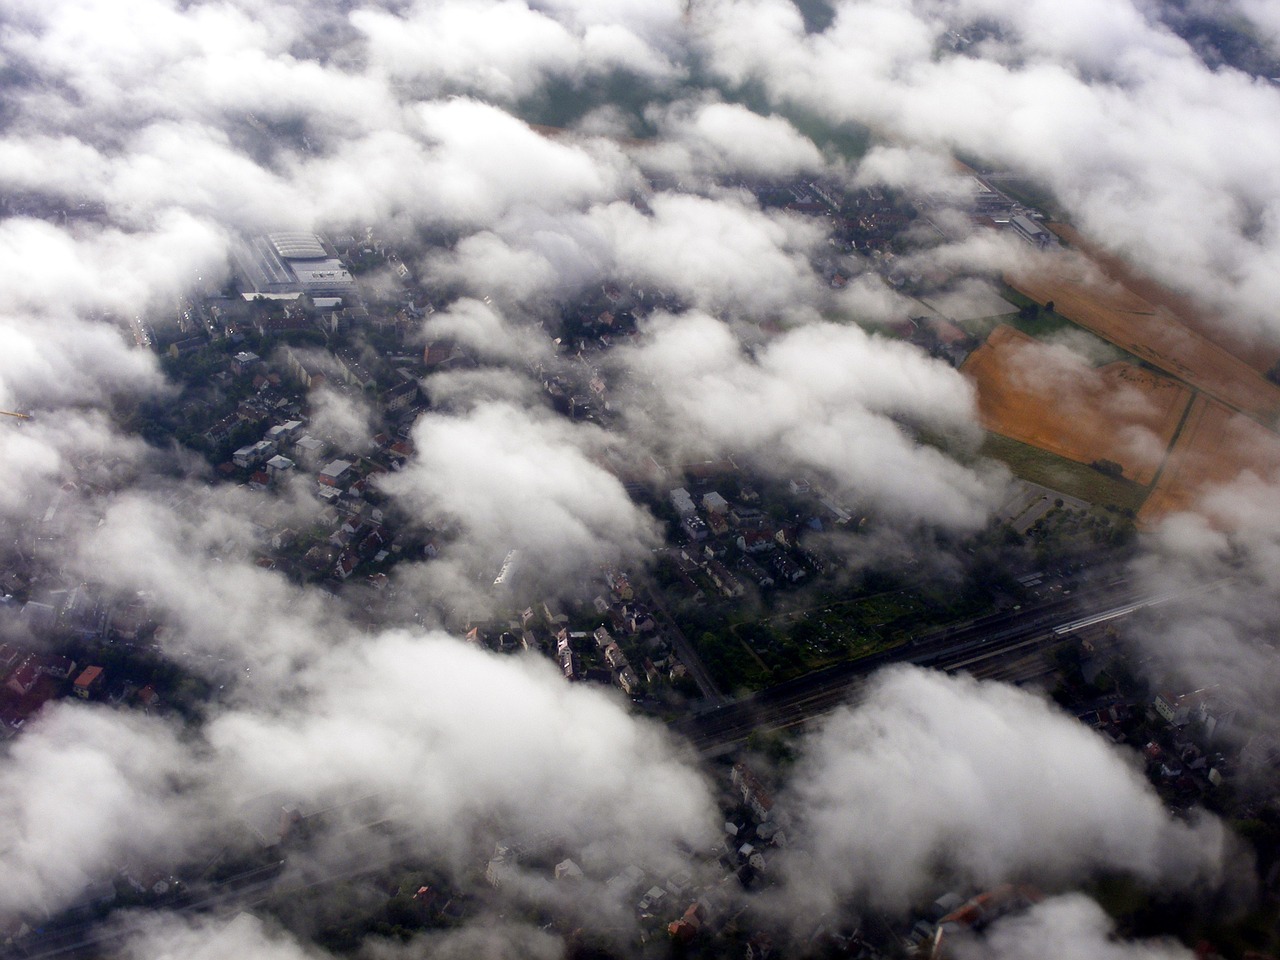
column 171, row 936
column 1188, row 189
column 727, row 138
column 1216, row 634
column 1070, row 927
column 140, row 139
column 822, row 397
column 502, row 50
column 343, row 418
column 163, row 936
column 192, row 550
column 93, row 269
column 450, row 738
column 71, row 783
column 935, row 776
column 455, row 746
column 517, row 480
column 482, row 329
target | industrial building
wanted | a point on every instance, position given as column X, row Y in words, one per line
column 1031, row 231
column 285, row 266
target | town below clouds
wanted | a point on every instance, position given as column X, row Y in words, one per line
column 748, row 478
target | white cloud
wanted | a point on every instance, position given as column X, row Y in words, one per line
column 820, row 397
column 935, row 776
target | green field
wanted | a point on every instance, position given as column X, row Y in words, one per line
column 1059, row 473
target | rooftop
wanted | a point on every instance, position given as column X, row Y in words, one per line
column 297, row 245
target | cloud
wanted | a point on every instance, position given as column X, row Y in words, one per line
column 501, row 50
column 931, row 776
column 192, row 549
column 87, row 789
column 165, row 936
column 825, row 398
column 728, row 139
column 448, row 738
column 1216, row 632
column 484, row 332
column 140, row 139
column 1149, row 150
column 518, row 480
column 1070, row 927
column 88, row 269
column 173, row 936
column 341, row 417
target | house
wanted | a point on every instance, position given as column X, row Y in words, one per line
column 786, row 568
column 89, row 682
column 743, row 516
column 713, row 503
column 438, row 353
column 569, row 664
column 183, row 347
column 345, row 565
column 57, row 666
column 614, row 656
column 653, row 897
column 310, row 446
column 687, row 927
column 638, row 620
column 682, row 502
column 694, row 527
column 278, row 465
column 353, row 370
column 568, row 870
column 625, row 883
column 25, row 677
column 400, row 397
column 336, row 473
column 305, row 370
column 752, row 791
column 620, row 584
column 253, row 454
column 1031, row 231
column 628, row 681
column 502, row 865
column 245, row 361
column 725, row 582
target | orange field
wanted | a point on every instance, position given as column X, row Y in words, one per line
column 1048, row 397
column 1216, row 446
column 1260, row 356
column 1080, row 293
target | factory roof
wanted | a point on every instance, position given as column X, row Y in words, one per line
column 296, row 245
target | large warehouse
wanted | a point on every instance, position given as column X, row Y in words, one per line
column 285, row 266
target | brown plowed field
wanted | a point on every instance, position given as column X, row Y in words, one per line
column 1215, row 447
column 1046, row 396
column 1136, row 325
column 1258, row 355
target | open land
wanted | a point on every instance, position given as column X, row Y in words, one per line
column 1149, row 332
column 1215, row 447
column 1259, row 355
column 1065, row 476
column 1041, row 395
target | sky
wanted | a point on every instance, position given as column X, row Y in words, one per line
column 162, row 131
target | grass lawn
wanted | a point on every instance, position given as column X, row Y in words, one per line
column 1059, row 473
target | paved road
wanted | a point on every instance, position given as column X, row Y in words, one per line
column 688, row 654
